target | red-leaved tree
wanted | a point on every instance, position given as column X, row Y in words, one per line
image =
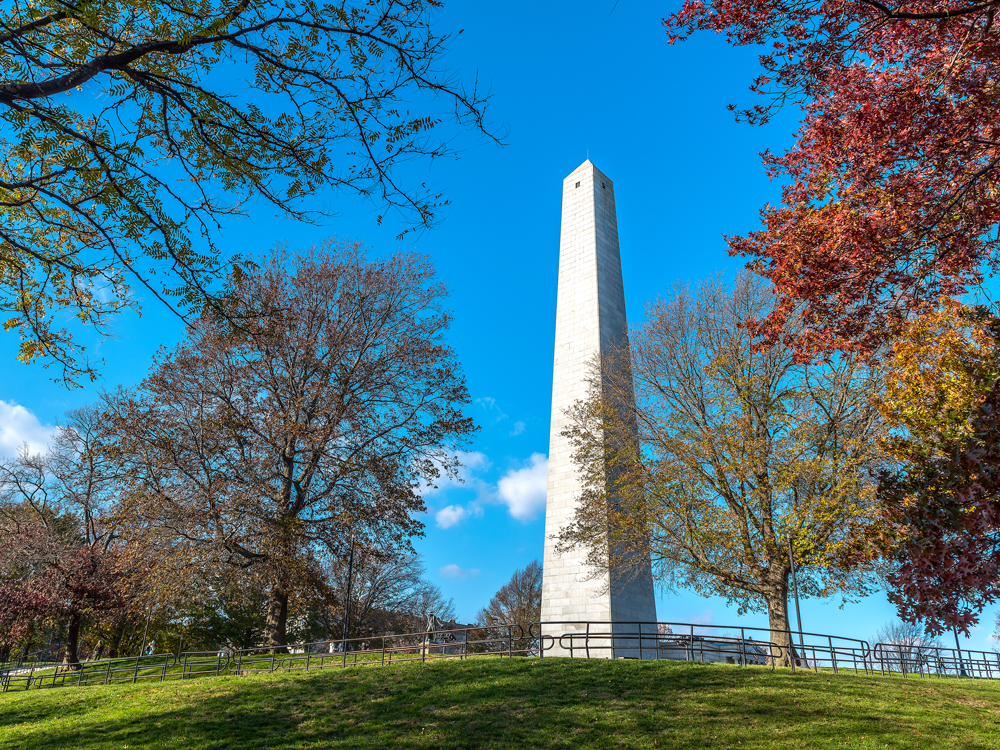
column 890, row 203
column 892, row 188
column 55, row 580
column 60, row 560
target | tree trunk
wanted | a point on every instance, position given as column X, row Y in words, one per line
column 781, row 631
column 277, row 619
column 116, row 640
column 71, row 659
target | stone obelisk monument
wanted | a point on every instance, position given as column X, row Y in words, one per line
column 590, row 317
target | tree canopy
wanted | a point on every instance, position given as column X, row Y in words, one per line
column 731, row 458
column 131, row 130
column 268, row 445
column 939, row 500
column 518, row 602
column 891, row 191
column 61, row 558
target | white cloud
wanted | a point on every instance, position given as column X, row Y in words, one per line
column 456, row 573
column 523, row 490
column 473, row 461
column 451, row 515
column 19, row 426
column 518, row 429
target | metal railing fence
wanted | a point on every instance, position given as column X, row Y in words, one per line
column 757, row 646
column 27, row 661
column 935, row 661
column 461, row 643
column 740, row 645
column 679, row 641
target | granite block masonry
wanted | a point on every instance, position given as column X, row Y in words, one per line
column 590, row 318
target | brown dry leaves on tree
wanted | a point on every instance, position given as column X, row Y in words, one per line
column 518, row 602
column 728, row 451
column 267, row 445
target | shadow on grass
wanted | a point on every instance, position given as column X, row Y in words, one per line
column 551, row 703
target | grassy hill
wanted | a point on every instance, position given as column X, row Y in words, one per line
column 518, row 703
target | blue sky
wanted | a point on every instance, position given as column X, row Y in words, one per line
column 569, row 78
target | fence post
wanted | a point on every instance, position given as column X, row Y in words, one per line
column 510, row 641
column 273, row 654
column 307, row 658
column 135, row 674
column 383, row 650
column 690, row 649
column 163, row 674
column 833, row 654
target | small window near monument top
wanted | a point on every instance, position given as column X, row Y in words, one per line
column 578, row 184
column 603, row 185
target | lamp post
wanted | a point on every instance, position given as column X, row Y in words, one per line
column 347, row 602
column 961, row 664
column 795, row 589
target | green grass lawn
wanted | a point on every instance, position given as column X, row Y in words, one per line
column 513, row 703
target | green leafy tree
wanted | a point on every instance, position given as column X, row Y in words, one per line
column 231, row 611
column 130, row 130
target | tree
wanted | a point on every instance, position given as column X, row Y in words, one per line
column 727, row 453
column 267, row 446
column 227, row 610
column 891, row 197
column 518, row 602
column 430, row 599
column 939, row 500
column 129, row 136
column 387, row 587
column 906, row 647
column 61, row 556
